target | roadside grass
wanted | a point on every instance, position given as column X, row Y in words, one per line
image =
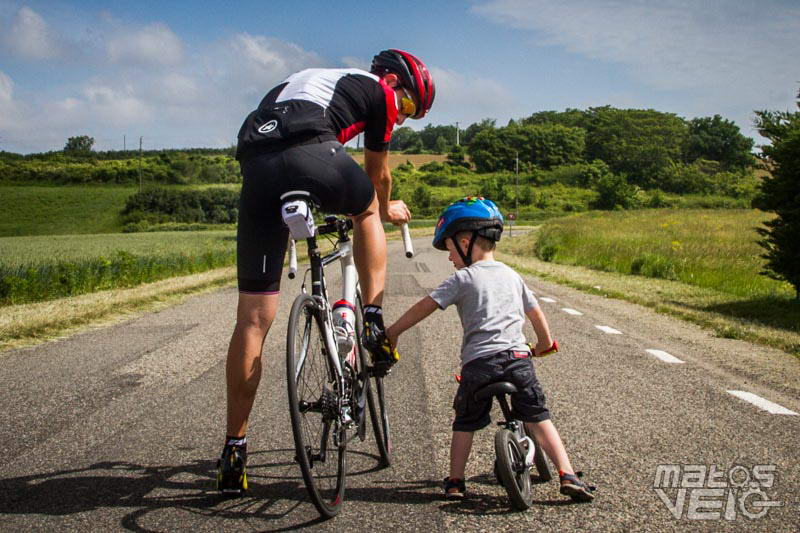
column 34, row 323
column 727, row 294
column 715, row 249
column 48, row 267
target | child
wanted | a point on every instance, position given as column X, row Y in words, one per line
column 492, row 301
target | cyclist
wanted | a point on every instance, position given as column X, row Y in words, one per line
column 492, row 302
column 293, row 141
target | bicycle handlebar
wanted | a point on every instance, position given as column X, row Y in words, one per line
column 407, row 244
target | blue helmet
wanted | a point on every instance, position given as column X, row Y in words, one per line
column 473, row 213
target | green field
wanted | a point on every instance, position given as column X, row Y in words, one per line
column 58, row 210
column 45, row 267
column 715, row 249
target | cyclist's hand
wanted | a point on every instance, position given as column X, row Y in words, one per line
column 397, row 213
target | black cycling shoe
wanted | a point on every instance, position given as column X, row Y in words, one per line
column 231, row 471
column 382, row 353
column 576, row 489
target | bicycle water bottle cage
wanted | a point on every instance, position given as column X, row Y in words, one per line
column 296, row 213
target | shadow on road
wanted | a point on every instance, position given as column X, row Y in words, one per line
column 276, row 500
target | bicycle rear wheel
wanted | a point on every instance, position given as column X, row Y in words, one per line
column 376, row 397
column 511, row 468
column 313, row 405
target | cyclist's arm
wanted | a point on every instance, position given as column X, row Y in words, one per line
column 419, row 311
column 377, row 166
column 539, row 323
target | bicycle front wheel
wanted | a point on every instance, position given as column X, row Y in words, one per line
column 511, row 468
column 376, row 397
column 314, row 408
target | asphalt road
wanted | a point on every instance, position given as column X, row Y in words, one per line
column 119, row 428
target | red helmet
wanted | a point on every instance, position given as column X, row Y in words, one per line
column 413, row 75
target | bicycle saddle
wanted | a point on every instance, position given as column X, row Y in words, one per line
column 495, row 389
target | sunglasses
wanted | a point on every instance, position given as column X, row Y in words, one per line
column 407, row 105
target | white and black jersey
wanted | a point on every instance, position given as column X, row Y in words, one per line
column 321, row 103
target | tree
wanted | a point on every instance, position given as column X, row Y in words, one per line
column 780, row 193
column 79, row 145
column 403, row 138
column 640, row 143
column 720, row 140
column 441, row 145
column 477, row 127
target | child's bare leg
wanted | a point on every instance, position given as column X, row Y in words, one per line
column 548, row 438
column 460, row 447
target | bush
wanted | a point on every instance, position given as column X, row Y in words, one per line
column 614, row 192
column 159, row 205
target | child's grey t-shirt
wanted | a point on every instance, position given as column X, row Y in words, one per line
column 491, row 300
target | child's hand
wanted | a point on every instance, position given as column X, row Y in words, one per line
column 543, row 348
column 392, row 337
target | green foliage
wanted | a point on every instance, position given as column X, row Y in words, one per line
column 477, row 127
column 719, row 140
column 780, row 193
column 422, row 196
column 214, row 205
column 614, row 192
column 636, row 142
column 457, row 156
column 80, row 145
column 168, row 167
column 544, row 146
column 403, row 138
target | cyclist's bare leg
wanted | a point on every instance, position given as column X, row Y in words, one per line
column 254, row 317
column 369, row 253
column 460, row 447
column 548, row 438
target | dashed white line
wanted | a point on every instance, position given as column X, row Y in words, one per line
column 571, row 311
column 664, row 356
column 548, row 300
column 609, row 329
column 761, row 403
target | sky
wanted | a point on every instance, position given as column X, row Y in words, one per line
column 184, row 74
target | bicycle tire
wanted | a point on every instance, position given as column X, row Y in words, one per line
column 376, row 398
column 516, row 479
column 313, row 407
column 540, row 460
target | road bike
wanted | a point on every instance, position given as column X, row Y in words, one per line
column 331, row 384
column 516, row 450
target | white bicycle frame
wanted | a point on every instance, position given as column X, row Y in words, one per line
column 344, row 254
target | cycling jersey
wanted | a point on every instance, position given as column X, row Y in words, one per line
column 321, row 104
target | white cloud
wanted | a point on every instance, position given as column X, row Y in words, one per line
column 6, row 87
column 268, row 60
column 153, row 45
column 30, row 37
column 721, row 56
column 672, row 45
column 468, row 99
column 357, row 62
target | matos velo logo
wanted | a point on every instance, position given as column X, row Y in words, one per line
column 703, row 492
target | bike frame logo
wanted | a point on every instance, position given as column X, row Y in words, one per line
column 703, row 492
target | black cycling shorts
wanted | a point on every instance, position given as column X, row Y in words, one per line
column 324, row 169
column 527, row 404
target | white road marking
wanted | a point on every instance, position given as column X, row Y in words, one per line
column 761, row 403
column 548, row 300
column 571, row 311
column 608, row 329
column 664, row 356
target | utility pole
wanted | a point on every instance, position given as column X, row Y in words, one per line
column 140, row 164
column 516, row 187
column 124, row 148
column 457, row 136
